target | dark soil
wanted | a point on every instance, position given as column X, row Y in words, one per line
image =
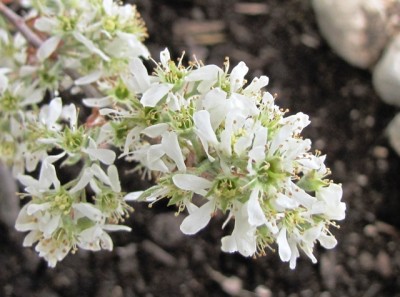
column 348, row 124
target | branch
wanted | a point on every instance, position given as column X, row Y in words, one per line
column 19, row 23
column 36, row 42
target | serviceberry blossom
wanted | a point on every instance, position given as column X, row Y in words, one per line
column 59, row 219
column 197, row 131
column 230, row 144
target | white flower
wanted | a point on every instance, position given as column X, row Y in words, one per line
column 237, row 76
column 154, row 94
column 284, row 249
column 255, row 85
column 95, row 238
column 207, row 75
column 172, row 149
column 90, row 45
column 193, row 183
column 243, row 238
column 47, row 48
column 49, row 114
column 205, row 131
column 105, row 156
column 329, row 203
column 198, row 217
column 53, row 250
column 255, row 212
column 165, row 57
column 216, row 103
column 111, row 179
column 139, row 82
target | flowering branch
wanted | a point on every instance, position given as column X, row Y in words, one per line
column 37, row 42
column 200, row 129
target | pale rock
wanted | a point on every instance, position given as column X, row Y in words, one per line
column 386, row 74
column 356, row 29
column 393, row 133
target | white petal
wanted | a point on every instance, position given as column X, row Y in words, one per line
column 257, row 84
column 155, row 130
column 140, row 75
column 83, row 181
column 34, row 97
column 153, row 95
column 47, row 48
column 247, row 246
column 173, row 150
column 295, row 254
column 237, row 76
column 302, row 197
column 90, row 45
column 216, row 103
column 51, row 226
column 165, row 57
column 208, row 72
column 69, row 113
column 48, row 175
column 114, row 178
column 311, row 234
column 108, row 5
column 255, row 212
column 105, row 156
column 110, row 227
column 31, row 238
column 190, row 182
column 332, row 195
column 34, row 208
column 327, row 241
column 24, row 221
column 93, row 184
column 45, row 24
column 27, row 180
column 257, row 154
column 88, row 79
column 260, row 137
column 54, row 158
column 106, row 242
column 3, row 83
column 54, row 112
column 88, row 210
column 198, row 219
column 228, row 244
column 133, row 196
column 286, row 202
column 283, row 246
column 202, row 122
column 242, row 144
column 100, row 174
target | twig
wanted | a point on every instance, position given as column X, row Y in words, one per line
column 19, row 23
column 36, row 41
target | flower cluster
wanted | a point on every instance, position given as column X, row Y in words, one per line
column 210, row 134
column 213, row 142
column 62, row 217
column 58, row 217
